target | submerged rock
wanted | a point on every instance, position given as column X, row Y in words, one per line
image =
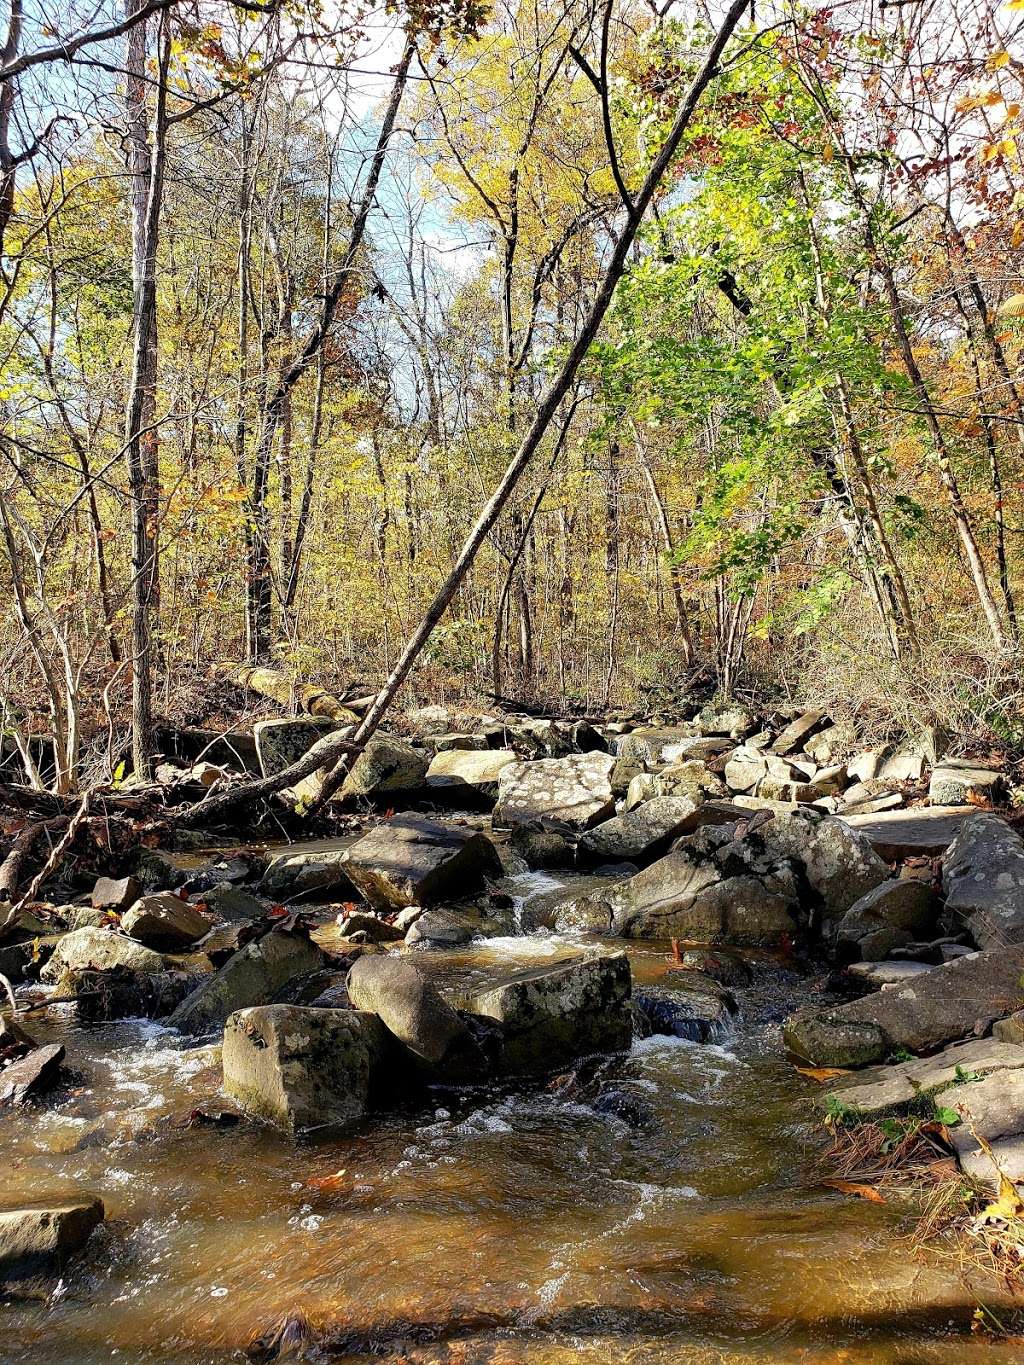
column 99, row 948
column 253, row 976
column 414, row 861
column 303, row 1068
column 42, row 1236
column 573, row 792
column 939, row 1006
column 684, row 1011
column 553, row 1014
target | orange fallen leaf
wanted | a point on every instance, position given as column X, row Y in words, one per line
column 860, row 1191
column 821, row 1073
column 337, row 1181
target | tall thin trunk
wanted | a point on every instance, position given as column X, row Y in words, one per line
column 146, row 164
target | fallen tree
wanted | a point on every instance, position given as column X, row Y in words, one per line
column 334, row 753
column 278, row 686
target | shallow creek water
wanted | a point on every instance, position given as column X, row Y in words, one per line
column 495, row 1227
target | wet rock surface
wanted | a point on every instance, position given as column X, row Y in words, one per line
column 415, row 861
column 42, row 1237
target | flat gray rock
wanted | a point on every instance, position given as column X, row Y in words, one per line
column 574, row 792
column 953, row 1001
column 879, row 974
column 885, row 1088
column 922, row 831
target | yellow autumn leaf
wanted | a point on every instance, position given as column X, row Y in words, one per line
column 821, row 1074
column 1014, row 4
column 997, row 60
column 985, row 99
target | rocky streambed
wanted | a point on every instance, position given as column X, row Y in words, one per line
column 511, row 1088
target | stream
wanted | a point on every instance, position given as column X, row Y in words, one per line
column 499, row 1227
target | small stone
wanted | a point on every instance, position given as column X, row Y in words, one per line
column 115, row 894
column 955, row 778
column 164, row 922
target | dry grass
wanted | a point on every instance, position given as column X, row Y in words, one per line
column 948, row 1216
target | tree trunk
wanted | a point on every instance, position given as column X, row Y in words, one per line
column 146, row 164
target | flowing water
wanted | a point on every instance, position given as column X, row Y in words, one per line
column 517, row 1226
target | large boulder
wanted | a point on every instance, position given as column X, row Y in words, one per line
column 553, row 1014
column 164, row 922
column 455, row 772
column 415, row 1013
column 642, row 832
column 280, row 743
column 956, row 1000
column 710, row 887
column 839, row 863
column 252, row 976
column 415, row 861
column 303, row 1068
column 319, row 872
column 43, row 1235
column 983, row 880
column 386, row 765
column 890, row 916
column 574, row 792
column 91, row 947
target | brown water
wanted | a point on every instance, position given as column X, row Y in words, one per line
column 499, row 1228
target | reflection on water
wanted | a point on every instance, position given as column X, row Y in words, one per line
column 493, row 1227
